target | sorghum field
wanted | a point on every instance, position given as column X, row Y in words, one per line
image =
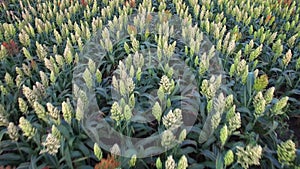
column 196, row 83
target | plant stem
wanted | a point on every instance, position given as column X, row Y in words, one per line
column 245, row 96
column 23, row 159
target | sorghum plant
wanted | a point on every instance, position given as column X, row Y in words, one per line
column 243, row 57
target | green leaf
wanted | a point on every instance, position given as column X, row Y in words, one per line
column 2, row 132
column 83, row 149
column 10, row 159
column 71, row 141
column 187, row 150
column 34, row 160
column 130, row 152
column 250, row 82
column 210, row 155
column 67, row 157
column 51, row 159
column 146, row 141
column 294, row 91
column 152, row 151
column 272, row 159
column 80, row 159
column 189, row 143
column 85, row 167
column 64, row 131
column 219, row 161
column 243, row 110
column 203, row 136
column 288, row 79
column 24, row 165
column 209, row 164
column 42, row 166
column 196, row 166
column 75, row 154
column 275, row 70
column 210, row 141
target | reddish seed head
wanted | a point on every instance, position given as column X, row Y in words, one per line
column 109, row 163
column 83, row 3
column 11, row 47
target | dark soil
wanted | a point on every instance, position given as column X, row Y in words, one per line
column 294, row 123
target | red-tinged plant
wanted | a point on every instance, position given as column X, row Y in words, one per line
column 33, row 65
column 286, row 2
column 109, row 163
column 11, row 47
column 131, row 3
column 268, row 18
column 83, row 3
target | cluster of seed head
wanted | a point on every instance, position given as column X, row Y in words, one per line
column 51, row 144
column 248, row 156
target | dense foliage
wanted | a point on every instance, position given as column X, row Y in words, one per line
column 247, row 83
